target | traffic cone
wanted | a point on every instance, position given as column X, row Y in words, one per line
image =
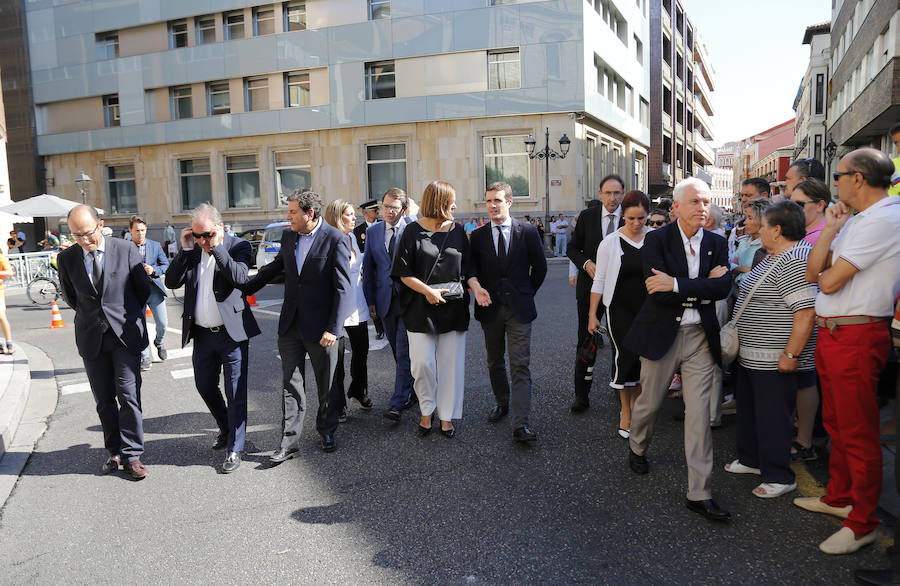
column 251, row 299
column 148, row 313
column 56, row 317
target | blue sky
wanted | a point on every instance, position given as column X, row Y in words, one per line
column 759, row 61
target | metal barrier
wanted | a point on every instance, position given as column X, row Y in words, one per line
column 28, row 265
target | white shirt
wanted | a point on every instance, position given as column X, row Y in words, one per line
column 690, row 316
column 506, row 226
column 206, row 313
column 361, row 312
column 870, row 241
column 388, row 230
column 615, row 216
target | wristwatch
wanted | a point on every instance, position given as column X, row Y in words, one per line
column 789, row 355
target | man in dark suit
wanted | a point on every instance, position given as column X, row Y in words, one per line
column 216, row 315
column 507, row 268
column 314, row 259
column 381, row 292
column 686, row 272
column 594, row 224
column 104, row 281
column 155, row 264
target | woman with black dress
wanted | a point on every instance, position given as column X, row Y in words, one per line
column 433, row 251
column 619, row 283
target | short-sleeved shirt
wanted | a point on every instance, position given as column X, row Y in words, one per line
column 416, row 254
column 765, row 325
column 870, row 241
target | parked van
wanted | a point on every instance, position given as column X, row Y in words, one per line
column 271, row 242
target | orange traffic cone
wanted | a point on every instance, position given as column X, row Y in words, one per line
column 148, row 313
column 251, row 299
column 56, row 317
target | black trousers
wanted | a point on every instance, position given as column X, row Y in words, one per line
column 358, row 337
column 584, row 373
column 214, row 353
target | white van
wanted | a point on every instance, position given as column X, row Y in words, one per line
column 271, row 242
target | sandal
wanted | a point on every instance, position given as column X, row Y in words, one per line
column 770, row 490
column 736, row 467
column 801, row 454
column 8, row 348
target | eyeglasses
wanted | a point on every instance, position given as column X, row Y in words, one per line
column 656, row 223
column 803, row 203
column 616, row 193
column 837, row 175
column 86, row 234
column 206, row 235
column 393, row 209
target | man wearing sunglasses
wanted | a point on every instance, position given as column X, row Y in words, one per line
column 104, row 281
column 210, row 265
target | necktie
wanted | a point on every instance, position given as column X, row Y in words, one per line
column 611, row 225
column 501, row 246
column 97, row 276
column 392, row 241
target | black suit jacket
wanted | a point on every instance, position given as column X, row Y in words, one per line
column 125, row 290
column 582, row 247
column 515, row 282
column 232, row 263
column 360, row 234
column 654, row 329
column 320, row 298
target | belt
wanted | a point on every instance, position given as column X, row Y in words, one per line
column 832, row 323
column 214, row 329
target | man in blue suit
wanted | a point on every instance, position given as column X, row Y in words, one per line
column 216, row 315
column 155, row 264
column 314, row 260
column 380, row 291
column 686, row 272
column 507, row 268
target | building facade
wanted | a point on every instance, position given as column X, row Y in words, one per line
column 166, row 105
column 811, row 105
column 721, row 186
column 681, row 84
column 757, row 156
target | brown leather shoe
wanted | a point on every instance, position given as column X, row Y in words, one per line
column 112, row 464
column 136, row 469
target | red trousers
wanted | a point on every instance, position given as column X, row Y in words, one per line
column 849, row 362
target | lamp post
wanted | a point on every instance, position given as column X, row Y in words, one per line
column 82, row 181
column 546, row 154
column 830, row 149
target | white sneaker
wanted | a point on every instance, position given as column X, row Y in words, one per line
column 817, row 505
column 845, row 541
column 737, row 468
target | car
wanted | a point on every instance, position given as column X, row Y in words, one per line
column 271, row 242
column 254, row 237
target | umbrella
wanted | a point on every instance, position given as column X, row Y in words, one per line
column 6, row 217
column 44, row 205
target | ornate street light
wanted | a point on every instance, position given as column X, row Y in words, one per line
column 82, row 181
column 546, row 154
column 830, row 149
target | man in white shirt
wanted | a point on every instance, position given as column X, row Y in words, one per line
column 856, row 263
column 560, row 229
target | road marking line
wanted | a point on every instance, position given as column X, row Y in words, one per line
column 266, row 311
column 75, row 388
column 180, row 352
column 268, row 302
column 182, row 373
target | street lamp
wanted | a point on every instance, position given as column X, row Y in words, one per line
column 82, row 180
column 546, row 154
column 830, row 149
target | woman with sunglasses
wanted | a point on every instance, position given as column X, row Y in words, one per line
column 619, row 283
column 813, row 196
column 658, row 219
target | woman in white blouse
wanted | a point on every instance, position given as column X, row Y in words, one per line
column 342, row 216
column 619, row 283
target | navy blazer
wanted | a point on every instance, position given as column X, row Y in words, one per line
column 514, row 283
column 232, row 264
column 125, row 290
column 654, row 329
column 582, row 247
column 378, row 286
column 320, row 298
column 156, row 258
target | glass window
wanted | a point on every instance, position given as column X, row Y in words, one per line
column 264, row 20
column 817, row 147
column 296, row 86
column 257, row 90
column 206, row 29
column 292, row 171
column 242, row 173
column 182, row 106
column 820, row 92
column 638, row 50
column 178, row 34
column 107, row 45
column 380, row 80
column 590, row 151
column 505, row 159
column 234, row 24
column 122, row 190
column 503, row 70
column 294, row 16
column 645, row 112
column 379, row 9
column 196, row 187
column 385, row 168
column 111, row 110
column 218, row 98
column 500, row 2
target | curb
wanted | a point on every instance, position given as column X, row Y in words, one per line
column 14, row 396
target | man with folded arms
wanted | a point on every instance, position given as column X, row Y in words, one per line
column 856, row 263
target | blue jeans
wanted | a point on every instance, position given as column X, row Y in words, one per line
column 561, row 244
column 157, row 305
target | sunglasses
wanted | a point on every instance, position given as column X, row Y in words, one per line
column 656, row 223
column 837, row 176
column 206, row 235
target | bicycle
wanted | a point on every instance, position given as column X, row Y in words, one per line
column 44, row 288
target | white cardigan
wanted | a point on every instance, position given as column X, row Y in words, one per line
column 609, row 261
column 361, row 312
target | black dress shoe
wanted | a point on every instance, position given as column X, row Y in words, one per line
column 393, row 414
column 161, row 351
column 221, row 441
column 364, row 402
column 328, row 444
column 708, row 509
column 638, row 464
column 342, row 415
column 524, row 435
column 282, row 455
column 879, row 577
column 231, row 463
column 379, row 336
column 580, row 405
column 498, row 413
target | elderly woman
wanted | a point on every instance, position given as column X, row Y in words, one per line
column 341, row 215
column 750, row 243
column 715, row 221
column 813, row 196
column 776, row 350
column 434, row 251
column 619, row 283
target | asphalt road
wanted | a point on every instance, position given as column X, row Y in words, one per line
column 388, row 507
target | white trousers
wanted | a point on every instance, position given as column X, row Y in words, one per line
column 437, row 364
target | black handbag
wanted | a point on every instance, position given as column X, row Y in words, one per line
column 453, row 289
